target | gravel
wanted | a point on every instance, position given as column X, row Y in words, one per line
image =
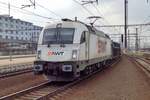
column 124, row 81
column 19, row 82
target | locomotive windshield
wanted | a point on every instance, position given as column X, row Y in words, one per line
column 58, row 36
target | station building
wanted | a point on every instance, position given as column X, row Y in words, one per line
column 17, row 36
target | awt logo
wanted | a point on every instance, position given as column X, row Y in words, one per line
column 51, row 53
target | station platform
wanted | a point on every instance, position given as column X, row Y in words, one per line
column 17, row 56
column 21, row 60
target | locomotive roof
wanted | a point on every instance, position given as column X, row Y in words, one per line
column 95, row 31
column 90, row 28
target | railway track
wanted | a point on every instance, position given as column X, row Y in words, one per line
column 6, row 71
column 46, row 90
column 36, row 92
column 143, row 64
column 146, row 60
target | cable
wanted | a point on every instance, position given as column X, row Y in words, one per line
column 103, row 16
column 91, row 12
column 27, row 11
column 83, row 7
column 49, row 10
column 97, row 9
column 28, row 19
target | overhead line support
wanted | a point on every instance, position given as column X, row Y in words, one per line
column 125, row 25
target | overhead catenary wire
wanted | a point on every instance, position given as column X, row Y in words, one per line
column 86, row 9
column 83, row 7
column 28, row 18
column 92, row 13
column 100, row 12
column 48, row 10
column 27, row 12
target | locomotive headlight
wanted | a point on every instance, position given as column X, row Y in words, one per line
column 74, row 54
column 67, row 68
column 39, row 54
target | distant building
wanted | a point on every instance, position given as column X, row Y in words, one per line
column 16, row 29
column 16, row 32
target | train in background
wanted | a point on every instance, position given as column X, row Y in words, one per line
column 69, row 49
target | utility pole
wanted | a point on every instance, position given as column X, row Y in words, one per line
column 9, row 24
column 9, row 9
column 128, row 39
column 136, row 41
column 139, row 42
column 147, row 1
column 125, row 15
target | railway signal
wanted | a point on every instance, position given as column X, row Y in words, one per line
column 122, row 38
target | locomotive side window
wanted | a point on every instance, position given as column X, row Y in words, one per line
column 83, row 37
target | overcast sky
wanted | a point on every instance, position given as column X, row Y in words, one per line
column 112, row 11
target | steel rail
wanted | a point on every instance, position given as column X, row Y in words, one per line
column 145, row 69
column 13, row 95
column 15, row 73
column 13, row 70
column 145, row 60
column 59, row 90
column 50, row 94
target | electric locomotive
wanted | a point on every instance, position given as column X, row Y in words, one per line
column 69, row 49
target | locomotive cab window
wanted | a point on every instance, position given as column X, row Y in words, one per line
column 83, row 37
column 58, row 36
